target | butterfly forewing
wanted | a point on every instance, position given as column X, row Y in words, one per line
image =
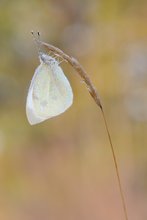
column 50, row 94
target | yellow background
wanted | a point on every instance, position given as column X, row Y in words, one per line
column 62, row 169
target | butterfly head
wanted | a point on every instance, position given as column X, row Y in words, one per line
column 46, row 59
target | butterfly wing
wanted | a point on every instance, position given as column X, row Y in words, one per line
column 49, row 95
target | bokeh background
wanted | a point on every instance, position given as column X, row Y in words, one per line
column 62, row 169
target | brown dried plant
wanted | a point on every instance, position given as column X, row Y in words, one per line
column 94, row 93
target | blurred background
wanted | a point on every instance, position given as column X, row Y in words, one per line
column 62, row 169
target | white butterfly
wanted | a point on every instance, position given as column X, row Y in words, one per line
column 50, row 93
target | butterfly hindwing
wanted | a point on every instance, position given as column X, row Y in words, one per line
column 49, row 95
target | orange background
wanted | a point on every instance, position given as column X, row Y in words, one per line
column 62, row 169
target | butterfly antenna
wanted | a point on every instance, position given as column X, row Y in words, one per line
column 37, row 41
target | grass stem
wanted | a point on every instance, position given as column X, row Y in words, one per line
column 93, row 92
column 116, row 167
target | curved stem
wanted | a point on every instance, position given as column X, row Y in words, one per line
column 93, row 92
column 116, row 166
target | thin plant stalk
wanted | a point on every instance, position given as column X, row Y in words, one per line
column 93, row 92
